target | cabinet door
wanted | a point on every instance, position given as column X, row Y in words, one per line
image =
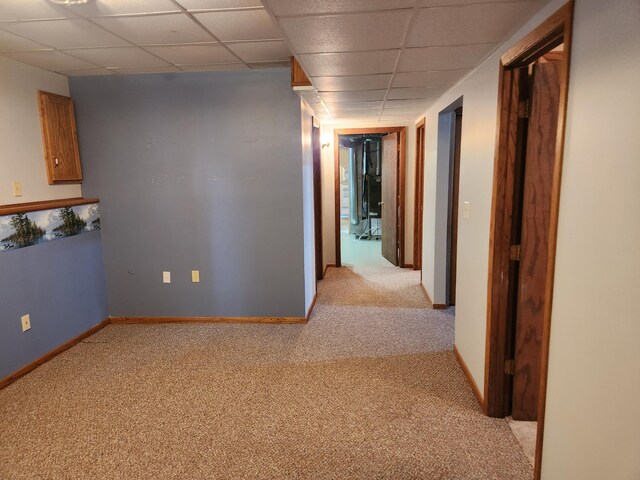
column 59, row 138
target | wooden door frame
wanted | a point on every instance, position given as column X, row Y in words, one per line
column 402, row 132
column 418, row 205
column 316, row 147
column 553, row 31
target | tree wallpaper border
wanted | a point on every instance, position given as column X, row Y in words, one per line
column 21, row 230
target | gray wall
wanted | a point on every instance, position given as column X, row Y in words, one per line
column 196, row 171
column 60, row 284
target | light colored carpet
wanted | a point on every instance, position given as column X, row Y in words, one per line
column 369, row 389
column 525, row 433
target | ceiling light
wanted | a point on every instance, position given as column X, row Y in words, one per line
column 69, row 2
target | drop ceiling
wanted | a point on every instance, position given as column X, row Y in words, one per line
column 388, row 60
column 107, row 37
column 383, row 60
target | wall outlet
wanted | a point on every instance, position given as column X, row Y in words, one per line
column 166, row 277
column 17, row 188
column 195, row 276
column 26, row 322
column 466, row 210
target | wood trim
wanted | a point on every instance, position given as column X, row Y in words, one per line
column 440, row 306
column 408, row 265
column 402, row 147
column 298, row 76
column 53, row 353
column 313, row 304
column 543, row 38
column 336, row 187
column 14, row 208
column 555, row 30
column 154, row 320
column 401, row 182
column 419, row 194
column 467, row 373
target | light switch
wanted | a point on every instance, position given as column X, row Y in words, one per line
column 466, row 210
column 17, row 188
column 195, row 276
column 166, row 277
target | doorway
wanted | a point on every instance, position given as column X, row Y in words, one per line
column 418, row 208
column 454, row 200
column 532, row 107
column 317, row 195
column 376, row 201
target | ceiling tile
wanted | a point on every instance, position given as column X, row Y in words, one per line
column 349, row 63
column 443, row 58
column 353, row 82
column 13, row 43
column 416, row 92
column 261, row 65
column 13, row 10
column 344, row 33
column 137, row 70
column 156, row 29
column 117, row 57
column 193, row 5
column 65, row 33
column 417, row 103
column 87, row 72
column 199, row 54
column 214, row 67
column 463, row 25
column 354, row 105
column 49, row 60
column 447, row 3
column 353, row 96
column 428, row 79
column 240, row 25
column 261, row 51
column 123, row 7
column 362, row 113
column 303, row 7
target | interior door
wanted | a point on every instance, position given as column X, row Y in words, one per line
column 534, row 248
column 390, row 158
column 419, row 200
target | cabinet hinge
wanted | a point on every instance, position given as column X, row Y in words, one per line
column 509, row 367
column 524, row 108
column 515, row 253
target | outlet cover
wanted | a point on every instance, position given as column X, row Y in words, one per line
column 26, row 322
column 195, row 276
column 166, row 277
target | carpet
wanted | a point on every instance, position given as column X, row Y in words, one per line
column 368, row 389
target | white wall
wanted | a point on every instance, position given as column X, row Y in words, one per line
column 308, row 222
column 22, row 156
column 328, row 192
column 593, row 413
column 592, row 428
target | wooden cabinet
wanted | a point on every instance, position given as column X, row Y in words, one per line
column 59, row 138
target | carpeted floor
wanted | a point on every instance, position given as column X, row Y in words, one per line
column 369, row 389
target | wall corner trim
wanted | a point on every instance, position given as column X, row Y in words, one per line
column 53, row 353
column 472, row 382
column 313, row 304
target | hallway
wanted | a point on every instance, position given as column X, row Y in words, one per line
column 369, row 388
